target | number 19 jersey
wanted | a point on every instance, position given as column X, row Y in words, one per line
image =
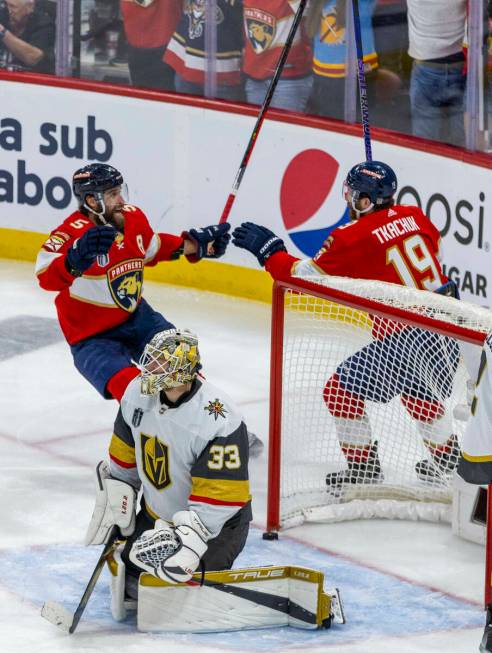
column 397, row 245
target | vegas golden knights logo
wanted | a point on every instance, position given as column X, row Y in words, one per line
column 155, row 459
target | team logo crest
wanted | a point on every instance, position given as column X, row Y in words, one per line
column 260, row 28
column 216, row 408
column 155, row 461
column 125, row 283
column 196, row 12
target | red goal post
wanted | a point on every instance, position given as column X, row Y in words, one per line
column 319, row 322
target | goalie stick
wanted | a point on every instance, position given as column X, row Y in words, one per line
column 57, row 614
column 264, row 108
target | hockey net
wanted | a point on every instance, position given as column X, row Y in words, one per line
column 412, row 417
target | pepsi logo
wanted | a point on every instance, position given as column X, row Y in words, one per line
column 306, row 184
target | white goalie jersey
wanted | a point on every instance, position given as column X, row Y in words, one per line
column 189, row 455
column 475, row 465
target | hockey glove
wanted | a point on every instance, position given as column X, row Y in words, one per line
column 258, row 240
column 211, row 242
column 85, row 250
column 115, row 506
column 450, row 289
column 172, row 554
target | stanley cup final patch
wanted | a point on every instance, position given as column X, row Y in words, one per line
column 125, row 283
column 215, row 408
column 260, row 28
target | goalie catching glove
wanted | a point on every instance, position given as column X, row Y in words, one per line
column 258, row 240
column 172, row 553
column 211, row 242
column 115, row 506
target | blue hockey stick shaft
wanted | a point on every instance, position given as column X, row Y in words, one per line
column 364, row 108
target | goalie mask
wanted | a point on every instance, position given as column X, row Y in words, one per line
column 169, row 360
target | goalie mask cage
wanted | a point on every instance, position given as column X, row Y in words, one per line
column 317, row 324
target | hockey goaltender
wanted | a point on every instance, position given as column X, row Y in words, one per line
column 184, row 444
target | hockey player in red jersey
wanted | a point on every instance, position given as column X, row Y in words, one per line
column 396, row 244
column 95, row 261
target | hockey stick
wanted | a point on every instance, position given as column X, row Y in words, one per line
column 57, row 614
column 264, row 108
column 364, row 107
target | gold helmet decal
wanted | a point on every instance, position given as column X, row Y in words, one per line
column 169, row 360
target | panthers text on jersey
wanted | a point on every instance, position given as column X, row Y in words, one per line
column 189, row 455
column 110, row 290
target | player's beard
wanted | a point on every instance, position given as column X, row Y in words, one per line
column 353, row 215
column 116, row 219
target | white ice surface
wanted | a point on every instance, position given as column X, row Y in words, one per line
column 55, row 427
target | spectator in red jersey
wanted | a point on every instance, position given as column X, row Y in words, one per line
column 199, row 70
column 390, row 243
column 95, row 261
column 149, row 25
column 267, row 24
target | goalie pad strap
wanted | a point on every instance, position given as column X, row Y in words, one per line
column 273, row 601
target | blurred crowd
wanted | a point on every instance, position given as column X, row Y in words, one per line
column 414, row 52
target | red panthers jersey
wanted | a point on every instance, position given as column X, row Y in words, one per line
column 266, row 26
column 398, row 245
column 108, row 292
column 152, row 25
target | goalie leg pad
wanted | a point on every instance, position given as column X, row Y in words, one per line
column 469, row 510
column 240, row 599
column 120, row 602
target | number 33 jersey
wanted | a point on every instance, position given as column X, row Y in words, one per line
column 188, row 455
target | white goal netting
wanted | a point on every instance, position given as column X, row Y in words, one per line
column 372, row 410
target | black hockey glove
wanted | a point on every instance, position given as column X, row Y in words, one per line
column 216, row 234
column 258, row 240
column 85, row 250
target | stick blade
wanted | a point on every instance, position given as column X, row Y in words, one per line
column 58, row 615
